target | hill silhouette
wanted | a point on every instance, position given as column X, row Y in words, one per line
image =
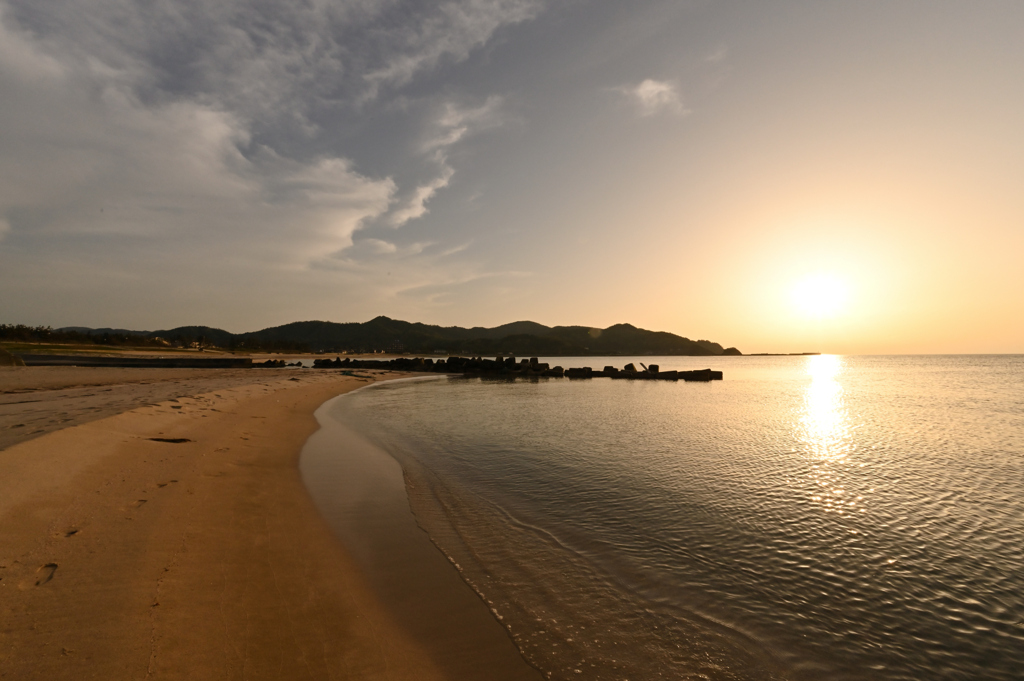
column 386, row 334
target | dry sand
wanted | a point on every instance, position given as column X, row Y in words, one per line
column 39, row 400
column 200, row 556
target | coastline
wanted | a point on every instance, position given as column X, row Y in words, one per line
column 362, row 491
column 125, row 557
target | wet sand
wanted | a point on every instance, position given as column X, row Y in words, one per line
column 175, row 538
column 361, row 491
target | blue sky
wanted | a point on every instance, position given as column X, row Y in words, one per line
column 681, row 166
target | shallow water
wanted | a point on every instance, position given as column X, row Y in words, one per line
column 807, row 518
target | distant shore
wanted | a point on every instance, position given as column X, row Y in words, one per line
column 153, row 523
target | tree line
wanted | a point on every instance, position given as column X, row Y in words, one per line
column 46, row 334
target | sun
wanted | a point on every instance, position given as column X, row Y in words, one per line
column 820, row 295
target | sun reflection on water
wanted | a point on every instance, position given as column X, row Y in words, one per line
column 824, row 421
column 825, row 432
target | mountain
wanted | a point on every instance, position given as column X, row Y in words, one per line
column 207, row 335
column 383, row 333
column 521, row 338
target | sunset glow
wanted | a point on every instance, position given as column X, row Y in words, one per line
column 840, row 177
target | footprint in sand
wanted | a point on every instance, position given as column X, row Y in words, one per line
column 45, row 573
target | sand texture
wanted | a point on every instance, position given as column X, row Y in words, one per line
column 38, row 400
column 177, row 540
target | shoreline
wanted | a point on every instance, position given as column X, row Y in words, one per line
column 199, row 555
column 361, row 490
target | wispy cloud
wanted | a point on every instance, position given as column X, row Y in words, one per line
column 380, row 246
column 653, row 97
column 451, row 125
column 450, row 29
column 272, row 64
column 90, row 162
column 440, row 288
column 415, row 206
column 455, row 249
column 454, row 122
column 719, row 54
column 219, row 121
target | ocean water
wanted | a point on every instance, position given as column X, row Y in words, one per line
column 817, row 517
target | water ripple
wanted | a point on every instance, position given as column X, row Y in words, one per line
column 807, row 518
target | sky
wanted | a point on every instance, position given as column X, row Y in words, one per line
column 779, row 176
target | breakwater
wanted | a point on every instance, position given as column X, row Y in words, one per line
column 509, row 367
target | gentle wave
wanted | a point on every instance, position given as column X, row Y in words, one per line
column 805, row 518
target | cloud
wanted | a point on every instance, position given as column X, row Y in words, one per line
column 441, row 290
column 653, row 97
column 416, row 205
column 160, row 155
column 381, row 247
column 206, row 129
column 89, row 162
column 454, row 122
column 451, row 124
column 273, row 64
column 451, row 29
column 719, row 54
column 455, row 249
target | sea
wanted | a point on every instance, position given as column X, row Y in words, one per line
column 806, row 518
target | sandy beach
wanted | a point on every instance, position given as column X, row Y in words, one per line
column 154, row 524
